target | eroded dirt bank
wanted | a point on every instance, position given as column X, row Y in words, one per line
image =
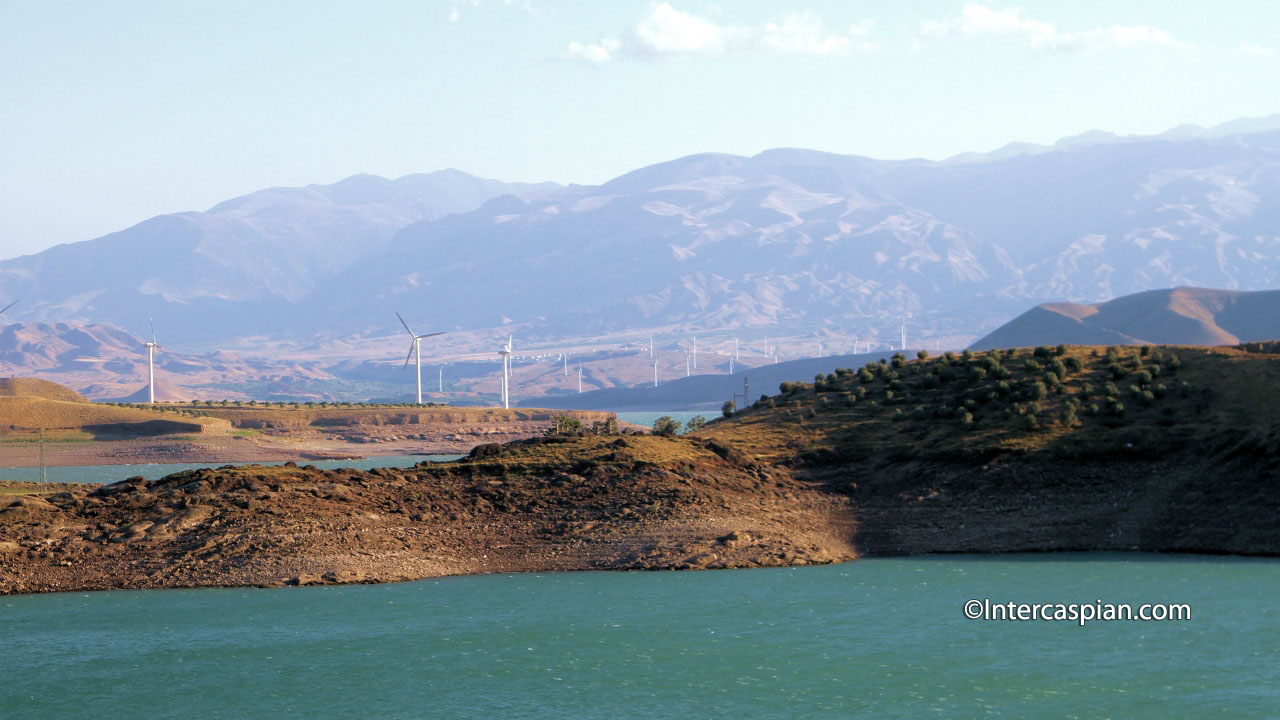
column 685, row 507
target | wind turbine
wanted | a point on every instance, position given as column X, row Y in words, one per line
column 686, row 366
column 735, row 348
column 151, row 363
column 505, row 352
column 579, row 379
column 730, row 364
column 655, row 373
column 6, row 307
column 904, row 332
column 415, row 352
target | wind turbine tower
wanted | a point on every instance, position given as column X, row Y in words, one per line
column 735, row 348
column 686, row 366
column 151, row 362
column 655, row 373
column 441, row 379
column 415, row 352
column 505, row 352
column 650, row 346
column 904, row 332
column 579, row 379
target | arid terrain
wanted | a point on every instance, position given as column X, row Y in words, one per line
column 1153, row 449
column 43, row 422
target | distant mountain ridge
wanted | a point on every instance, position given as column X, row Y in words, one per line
column 240, row 266
column 790, row 242
column 1175, row 316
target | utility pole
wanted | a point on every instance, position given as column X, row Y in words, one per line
column 746, row 392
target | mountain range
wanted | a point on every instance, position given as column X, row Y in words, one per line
column 789, row 242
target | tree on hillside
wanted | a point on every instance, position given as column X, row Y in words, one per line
column 666, row 426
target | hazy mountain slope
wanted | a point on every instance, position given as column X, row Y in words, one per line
column 1177, row 316
column 240, row 266
column 105, row 362
column 793, row 238
column 1087, row 222
column 792, row 243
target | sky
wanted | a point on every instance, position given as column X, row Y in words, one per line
column 111, row 113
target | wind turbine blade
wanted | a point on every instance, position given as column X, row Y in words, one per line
column 405, row 324
column 442, row 332
column 406, row 357
column 153, row 331
column 6, row 307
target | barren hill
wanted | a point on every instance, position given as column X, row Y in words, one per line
column 1176, row 316
column 35, row 387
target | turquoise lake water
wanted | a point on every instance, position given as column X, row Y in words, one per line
column 878, row 638
column 155, row 471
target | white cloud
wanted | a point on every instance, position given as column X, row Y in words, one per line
column 981, row 21
column 1255, row 51
column 597, row 52
column 668, row 32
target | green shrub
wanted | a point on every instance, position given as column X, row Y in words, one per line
column 1073, row 363
column 665, row 426
column 1061, row 349
column 695, row 422
column 966, row 419
column 564, row 425
column 1031, row 365
column 728, row 408
column 1042, row 352
column 922, row 355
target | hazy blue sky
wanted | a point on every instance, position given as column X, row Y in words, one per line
column 113, row 112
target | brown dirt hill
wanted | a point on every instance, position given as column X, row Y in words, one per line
column 35, row 387
column 1177, row 316
column 1153, row 449
column 166, row 391
column 32, row 403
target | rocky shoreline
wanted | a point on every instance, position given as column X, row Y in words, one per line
column 626, row 503
column 267, row 526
